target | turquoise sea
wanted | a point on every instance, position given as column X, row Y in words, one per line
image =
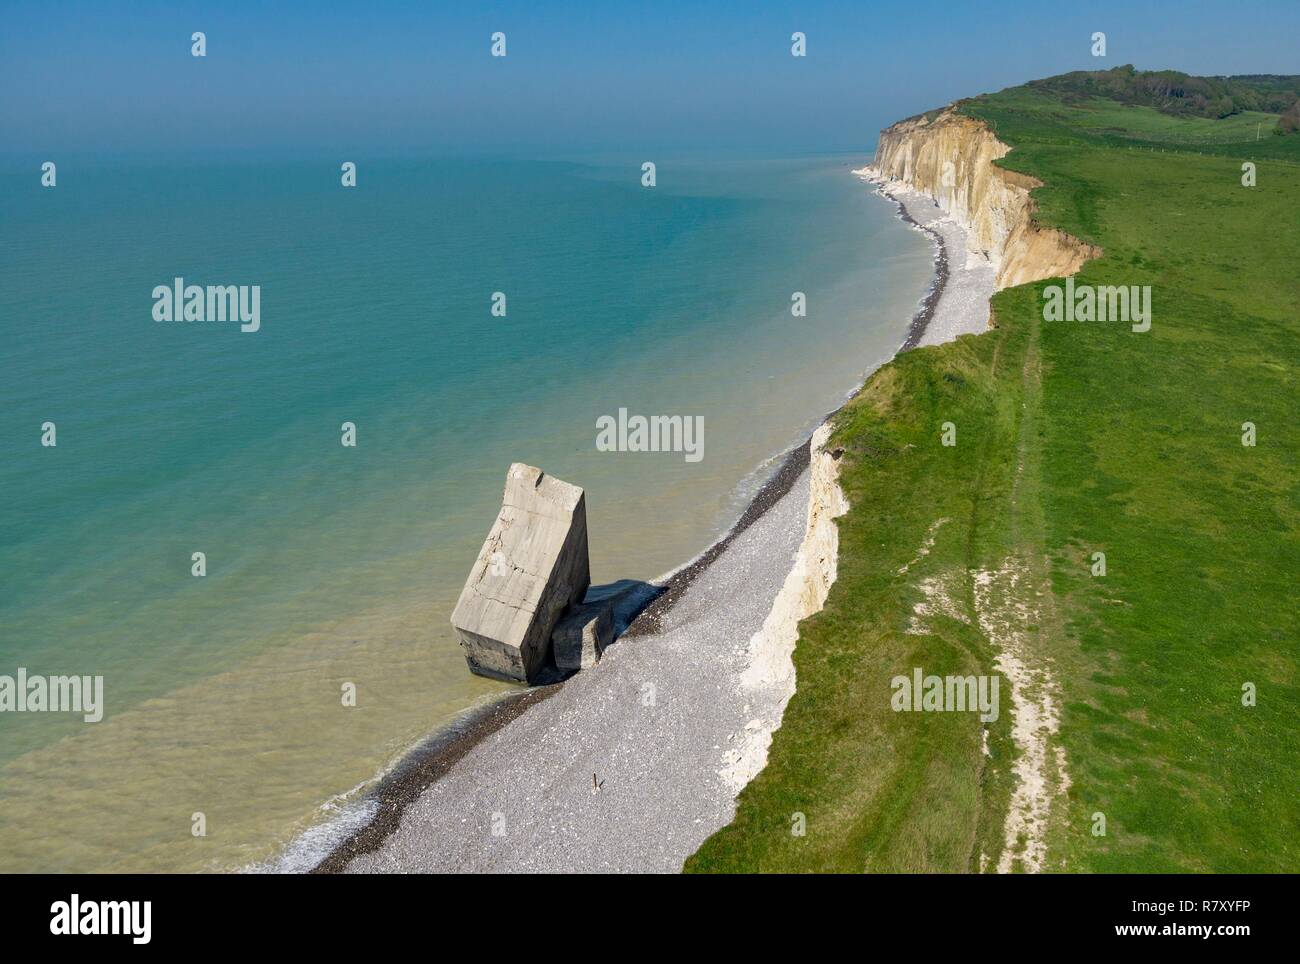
column 329, row 565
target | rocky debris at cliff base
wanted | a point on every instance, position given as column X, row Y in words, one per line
column 581, row 635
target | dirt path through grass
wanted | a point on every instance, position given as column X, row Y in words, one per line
column 1017, row 613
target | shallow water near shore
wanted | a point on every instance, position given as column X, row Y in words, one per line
column 330, row 565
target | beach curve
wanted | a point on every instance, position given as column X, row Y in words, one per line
column 585, row 774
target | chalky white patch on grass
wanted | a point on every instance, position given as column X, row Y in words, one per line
column 941, row 594
column 1005, row 609
column 926, row 545
column 940, row 598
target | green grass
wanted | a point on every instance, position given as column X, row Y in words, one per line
column 1148, row 123
column 1074, row 438
column 1030, row 116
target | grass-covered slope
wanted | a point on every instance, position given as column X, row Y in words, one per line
column 1072, row 438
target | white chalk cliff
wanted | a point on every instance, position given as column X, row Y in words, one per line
column 769, row 680
column 950, row 157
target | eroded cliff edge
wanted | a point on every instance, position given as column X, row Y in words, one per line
column 769, row 678
column 950, row 156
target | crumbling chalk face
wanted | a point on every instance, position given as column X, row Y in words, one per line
column 532, row 566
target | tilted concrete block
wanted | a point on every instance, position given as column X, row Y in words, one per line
column 533, row 565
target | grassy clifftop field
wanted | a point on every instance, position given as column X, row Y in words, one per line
column 1073, row 438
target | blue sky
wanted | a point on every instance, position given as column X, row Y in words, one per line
column 375, row 78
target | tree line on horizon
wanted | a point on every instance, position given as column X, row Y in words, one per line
column 1184, row 95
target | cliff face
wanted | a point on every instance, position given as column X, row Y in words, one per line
column 769, row 682
column 950, row 157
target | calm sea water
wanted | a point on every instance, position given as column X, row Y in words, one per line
column 329, row 565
